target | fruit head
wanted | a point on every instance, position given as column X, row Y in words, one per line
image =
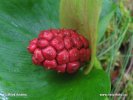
column 63, row 50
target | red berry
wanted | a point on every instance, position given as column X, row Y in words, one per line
column 55, row 32
column 38, row 55
column 57, row 43
column 68, row 43
column 31, row 48
column 63, row 50
column 73, row 67
column 85, row 41
column 34, row 41
column 49, row 53
column 60, row 35
column 74, row 54
column 77, row 41
column 61, row 68
column 35, row 61
column 63, row 57
column 82, row 54
column 46, row 35
column 50, row 64
column 32, row 45
column 42, row 43
column 66, row 32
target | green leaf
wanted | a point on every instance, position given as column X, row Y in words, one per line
column 21, row 21
column 107, row 13
column 82, row 16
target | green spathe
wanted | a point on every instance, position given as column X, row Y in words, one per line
column 83, row 16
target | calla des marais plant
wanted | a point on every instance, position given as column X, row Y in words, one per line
column 21, row 21
column 83, row 16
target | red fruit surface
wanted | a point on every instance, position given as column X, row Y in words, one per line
column 77, row 41
column 32, row 45
column 84, row 41
column 31, row 48
column 46, row 34
column 62, row 50
column 82, row 54
column 68, row 43
column 73, row 67
column 66, row 32
column 63, row 57
column 35, row 61
column 50, row 64
column 57, row 43
column 34, row 41
column 61, row 68
column 55, row 32
column 49, row 53
column 38, row 55
column 42, row 43
column 74, row 54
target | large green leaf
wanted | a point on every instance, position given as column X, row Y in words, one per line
column 20, row 21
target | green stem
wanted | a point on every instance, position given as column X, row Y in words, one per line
column 97, row 64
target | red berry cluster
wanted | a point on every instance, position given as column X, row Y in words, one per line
column 62, row 50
